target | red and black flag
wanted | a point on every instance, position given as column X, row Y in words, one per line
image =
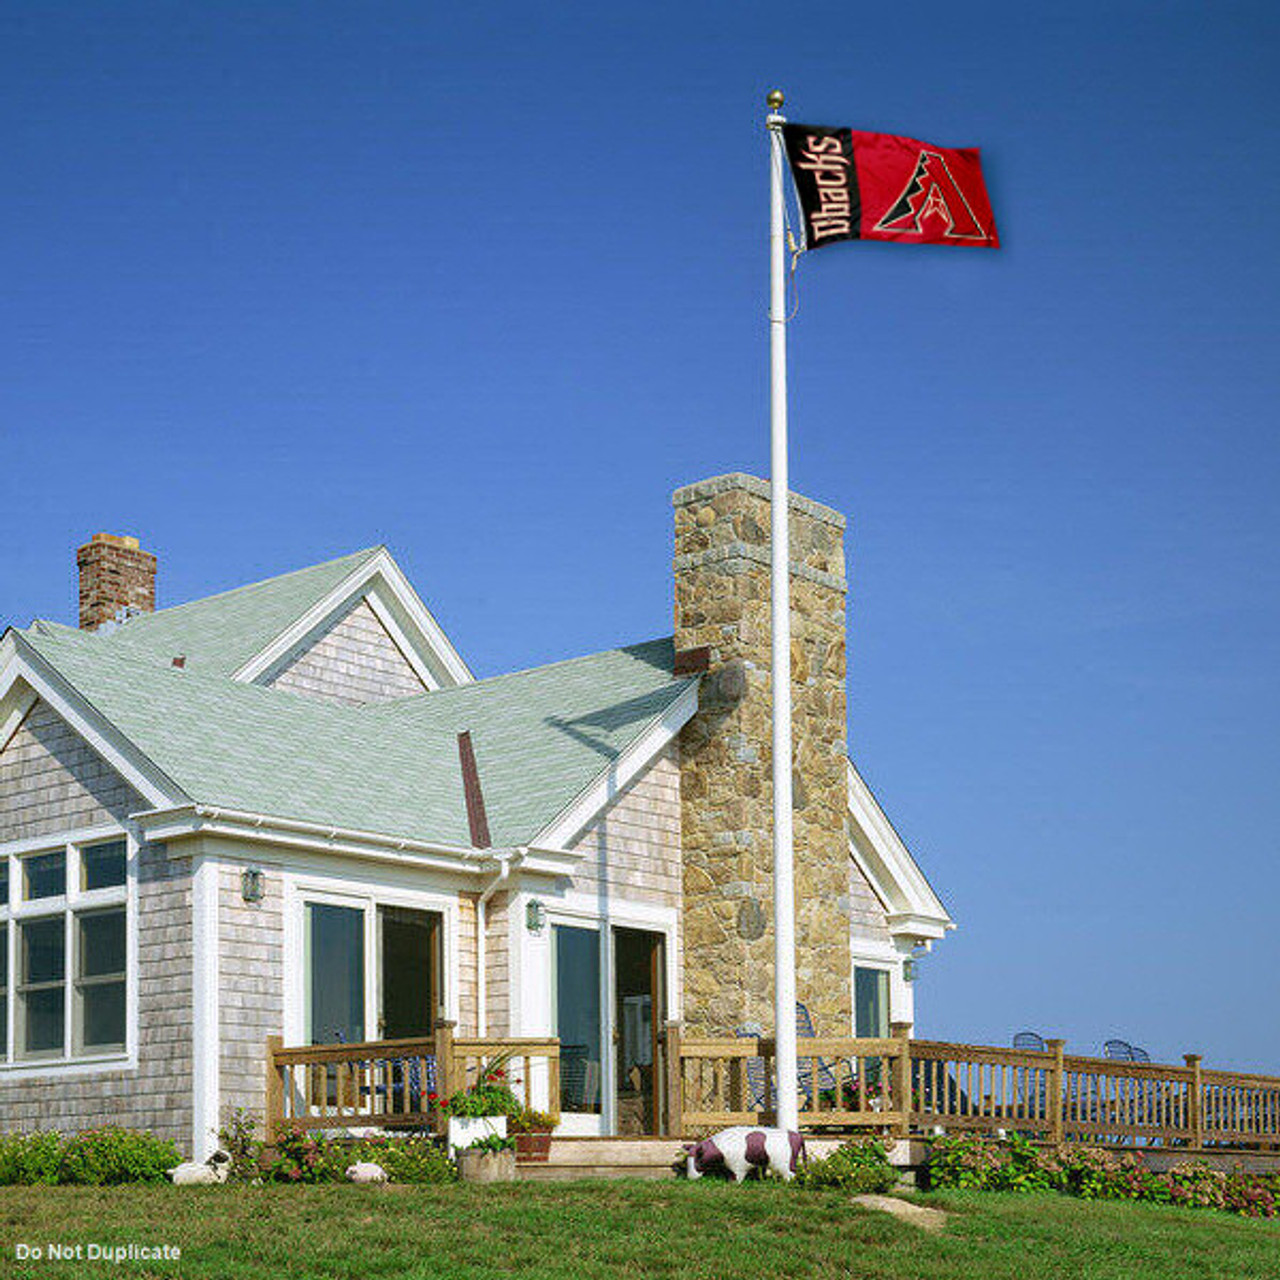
column 854, row 185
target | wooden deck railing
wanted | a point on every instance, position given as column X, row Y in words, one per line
column 902, row 1086
column 395, row 1083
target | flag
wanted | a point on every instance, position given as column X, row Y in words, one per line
column 854, row 185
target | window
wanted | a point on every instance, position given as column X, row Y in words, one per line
column 870, row 1002
column 63, row 952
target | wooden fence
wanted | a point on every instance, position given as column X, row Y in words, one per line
column 901, row 1086
column 396, row 1083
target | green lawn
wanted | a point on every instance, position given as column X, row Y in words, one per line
column 622, row 1230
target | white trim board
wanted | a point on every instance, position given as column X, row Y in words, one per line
column 613, row 781
column 412, row 628
column 911, row 905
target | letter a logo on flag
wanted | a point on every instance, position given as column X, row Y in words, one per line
column 853, row 185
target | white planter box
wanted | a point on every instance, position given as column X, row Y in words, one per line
column 464, row 1130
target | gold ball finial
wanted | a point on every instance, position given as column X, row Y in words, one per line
column 775, row 100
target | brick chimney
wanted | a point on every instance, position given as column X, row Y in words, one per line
column 115, row 574
column 722, row 602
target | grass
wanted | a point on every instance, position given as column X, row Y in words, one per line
column 622, row 1229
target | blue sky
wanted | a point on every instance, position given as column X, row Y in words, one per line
column 488, row 282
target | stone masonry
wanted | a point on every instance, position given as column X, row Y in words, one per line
column 115, row 574
column 722, row 602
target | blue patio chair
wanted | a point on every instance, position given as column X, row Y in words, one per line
column 1030, row 1042
column 757, row 1076
column 410, row 1082
column 1118, row 1051
column 826, row 1074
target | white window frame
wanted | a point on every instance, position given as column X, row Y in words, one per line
column 72, row 902
column 365, row 896
column 890, row 968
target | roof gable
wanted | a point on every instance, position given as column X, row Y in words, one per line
column 252, row 633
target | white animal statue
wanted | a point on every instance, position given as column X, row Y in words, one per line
column 747, row 1147
column 191, row 1174
column 366, row 1171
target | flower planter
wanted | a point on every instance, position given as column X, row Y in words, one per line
column 464, row 1130
column 487, row 1166
column 534, row 1146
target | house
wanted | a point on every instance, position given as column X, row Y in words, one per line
column 291, row 809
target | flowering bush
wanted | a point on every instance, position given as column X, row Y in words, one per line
column 985, row 1164
column 309, row 1158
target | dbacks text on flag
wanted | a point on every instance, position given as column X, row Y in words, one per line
column 854, row 185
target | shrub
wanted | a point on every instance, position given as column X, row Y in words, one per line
column 413, row 1158
column 303, row 1157
column 855, row 1167
column 983, row 1164
column 107, row 1157
column 30, row 1159
column 94, row 1158
column 971, row 1163
column 240, row 1141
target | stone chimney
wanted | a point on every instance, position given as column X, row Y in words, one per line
column 722, row 603
column 115, row 574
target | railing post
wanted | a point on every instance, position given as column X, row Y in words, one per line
column 275, row 1089
column 675, row 1082
column 901, row 1031
column 444, row 1061
column 1054, row 1094
column 553, row 1084
column 1195, row 1099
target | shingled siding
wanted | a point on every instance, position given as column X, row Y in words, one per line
column 497, row 965
column 467, row 989
column 355, row 662
column 250, row 987
column 633, row 847
column 867, row 918
column 51, row 783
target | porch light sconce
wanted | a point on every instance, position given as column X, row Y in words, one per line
column 535, row 916
column 251, row 884
column 909, row 970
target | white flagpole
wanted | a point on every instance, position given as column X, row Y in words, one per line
column 784, row 909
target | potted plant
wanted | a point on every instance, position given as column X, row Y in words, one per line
column 532, row 1132
column 480, row 1111
column 491, row 1159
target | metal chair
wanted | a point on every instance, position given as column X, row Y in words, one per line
column 1030, row 1042
column 1117, row 1051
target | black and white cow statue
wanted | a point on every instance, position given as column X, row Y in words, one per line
column 746, row 1147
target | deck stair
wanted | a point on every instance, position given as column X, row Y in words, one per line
column 573, row 1158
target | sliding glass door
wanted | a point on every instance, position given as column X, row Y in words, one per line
column 576, row 988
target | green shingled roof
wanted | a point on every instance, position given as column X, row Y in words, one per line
column 219, row 634
column 541, row 736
